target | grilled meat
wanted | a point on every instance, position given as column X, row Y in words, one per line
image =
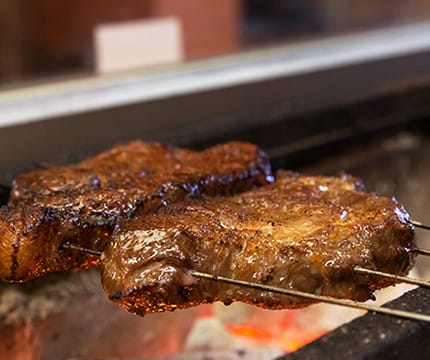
column 81, row 203
column 304, row 233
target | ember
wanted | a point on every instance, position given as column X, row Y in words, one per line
column 245, row 327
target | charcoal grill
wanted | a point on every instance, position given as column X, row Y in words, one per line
column 309, row 111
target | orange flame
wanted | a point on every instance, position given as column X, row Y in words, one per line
column 289, row 339
column 250, row 332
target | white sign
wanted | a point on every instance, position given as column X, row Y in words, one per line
column 133, row 44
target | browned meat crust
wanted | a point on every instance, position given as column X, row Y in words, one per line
column 81, row 203
column 304, row 233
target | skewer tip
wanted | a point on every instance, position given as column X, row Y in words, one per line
column 419, row 224
column 68, row 245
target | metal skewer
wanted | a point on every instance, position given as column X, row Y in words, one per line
column 310, row 296
column 404, row 279
column 345, row 303
column 421, row 251
column 420, row 224
column 67, row 245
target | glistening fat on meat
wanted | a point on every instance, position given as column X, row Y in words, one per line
column 81, row 203
column 304, row 233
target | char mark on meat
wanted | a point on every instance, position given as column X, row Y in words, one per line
column 81, row 203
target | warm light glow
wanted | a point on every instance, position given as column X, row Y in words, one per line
column 249, row 331
column 294, row 342
column 289, row 339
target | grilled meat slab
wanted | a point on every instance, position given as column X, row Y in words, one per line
column 304, row 233
column 81, row 203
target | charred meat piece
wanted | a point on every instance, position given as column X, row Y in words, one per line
column 304, row 233
column 81, row 203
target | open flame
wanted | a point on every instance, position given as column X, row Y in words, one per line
column 288, row 340
column 286, row 332
column 39, row 326
column 207, row 329
column 245, row 327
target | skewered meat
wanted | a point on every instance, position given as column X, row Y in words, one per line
column 81, row 203
column 303, row 233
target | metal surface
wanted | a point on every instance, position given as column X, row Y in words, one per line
column 73, row 97
column 211, row 98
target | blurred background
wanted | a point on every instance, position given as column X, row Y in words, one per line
column 49, row 39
